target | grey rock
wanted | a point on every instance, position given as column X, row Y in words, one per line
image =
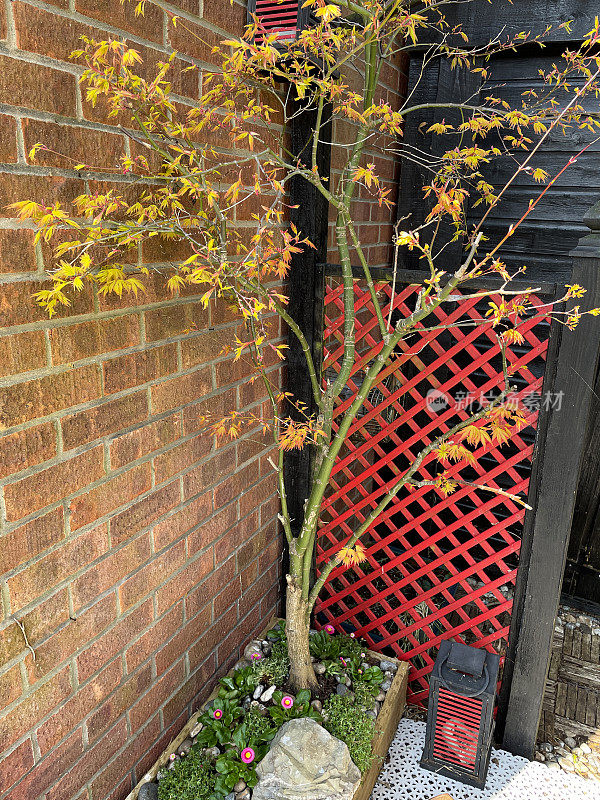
column 212, row 752
column 160, row 774
column 245, row 795
column 385, row 666
column 376, row 708
column 545, row 747
column 567, row 765
column 371, row 714
column 306, row 762
column 577, row 751
column 380, row 697
column 258, row 691
column 317, row 705
column 196, row 729
column 553, row 765
column 386, row 685
column 540, row 757
column 258, row 706
column 241, row 664
column 240, row 786
column 266, row 647
column 185, row 747
column 570, row 742
column 342, row 689
column 253, row 648
column 148, row 791
column 268, row 694
column 585, row 748
column 230, row 796
column 319, row 668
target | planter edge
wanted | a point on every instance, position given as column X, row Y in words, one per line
column 385, row 728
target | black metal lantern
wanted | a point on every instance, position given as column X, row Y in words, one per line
column 285, row 19
column 460, row 717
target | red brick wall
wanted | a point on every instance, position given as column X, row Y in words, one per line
column 136, row 556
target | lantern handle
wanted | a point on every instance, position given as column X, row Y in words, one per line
column 485, row 678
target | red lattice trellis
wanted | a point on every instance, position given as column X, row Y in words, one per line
column 437, row 567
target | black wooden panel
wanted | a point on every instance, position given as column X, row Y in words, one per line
column 482, row 22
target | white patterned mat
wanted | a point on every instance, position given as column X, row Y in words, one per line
column 509, row 777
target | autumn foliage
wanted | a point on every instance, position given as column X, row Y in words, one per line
column 188, row 188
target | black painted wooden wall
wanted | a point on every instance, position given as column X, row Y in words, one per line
column 545, row 239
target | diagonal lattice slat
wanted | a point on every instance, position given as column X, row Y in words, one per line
column 437, row 567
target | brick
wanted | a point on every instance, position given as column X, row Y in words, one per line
column 43, row 32
column 18, row 303
column 152, row 575
column 136, row 369
column 142, row 514
column 203, row 593
column 182, row 522
column 231, row 18
column 47, row 616
column 8, row 139
column 138, row 747
column 74, row 342
column 52, row 484
column 145, row 708
column 184, row 581
column 197, row 42
column 257, row 495
column 27, row 449
column 17, row 252
column 12, row 643
column 110, row 571
column 22, row 352
column 97, row 422
column 10, row 687
column 203, row 348
column 97, row 149
column 235, row 485
column 181, row 457
column 151, row 641
column 145, row 440
column 205, row 475
column 216, row 407
column 195, row 686
column 109, row 496
column 181, row 642
column 114, row 641
column 48, row 770
column 148, row 25
column 32, row 86
column 228, row 597
column 118, row 703
column 179, row 391
column 239, row 533
column 72, row 637
column 82, row 769
column 40, row 577
column 44, row 396
column 34, row 708
column 15, row 765
column 157, row 250
column 169, row 321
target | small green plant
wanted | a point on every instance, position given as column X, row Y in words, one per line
column 366, row 683
column 190, row 778
column 250, row 743
column 218, row 721
column 285, row 708
column 275, row 668
column 344, row 719
column 324, row 646
column 241, row 683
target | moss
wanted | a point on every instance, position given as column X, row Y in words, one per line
column 348, row 722
column 192, row 778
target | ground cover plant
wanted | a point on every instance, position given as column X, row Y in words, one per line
column 186, row 189
column 236, row 730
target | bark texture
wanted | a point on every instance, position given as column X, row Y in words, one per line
column 302, row 674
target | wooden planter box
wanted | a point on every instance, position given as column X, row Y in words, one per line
column 385, row 728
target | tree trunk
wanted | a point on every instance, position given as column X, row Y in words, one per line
column 297, row 624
